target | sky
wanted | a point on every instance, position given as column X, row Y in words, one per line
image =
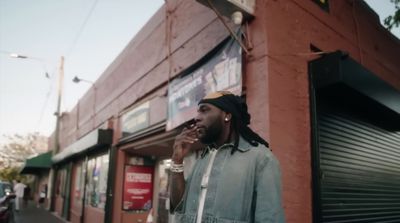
column 384, row 8
column 88, row 33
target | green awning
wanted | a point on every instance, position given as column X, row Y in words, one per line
column 37, row 164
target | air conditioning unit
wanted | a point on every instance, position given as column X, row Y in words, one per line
column 229, row 7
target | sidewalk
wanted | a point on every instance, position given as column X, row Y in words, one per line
column 32, row 214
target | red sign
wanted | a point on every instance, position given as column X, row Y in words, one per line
column 138, row 188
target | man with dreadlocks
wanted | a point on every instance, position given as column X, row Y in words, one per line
column 237, row 178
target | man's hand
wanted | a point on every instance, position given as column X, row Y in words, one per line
column 183, row 143
column 182, row 146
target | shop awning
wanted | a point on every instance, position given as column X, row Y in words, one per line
column 37, row 164
column 95, row 139
column 340, row 78
column 153, row 142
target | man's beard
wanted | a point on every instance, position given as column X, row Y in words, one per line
column 211, row 133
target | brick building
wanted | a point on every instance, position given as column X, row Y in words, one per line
column 322, row 82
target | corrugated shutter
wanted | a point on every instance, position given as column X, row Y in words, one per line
column 360, row 171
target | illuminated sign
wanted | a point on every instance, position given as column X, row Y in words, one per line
column 136, row 119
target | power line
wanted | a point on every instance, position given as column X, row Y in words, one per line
column 48, row 94
column 81, row 29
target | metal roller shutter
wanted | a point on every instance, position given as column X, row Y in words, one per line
column 359, row 171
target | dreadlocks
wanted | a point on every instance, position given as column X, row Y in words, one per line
column 236, row 106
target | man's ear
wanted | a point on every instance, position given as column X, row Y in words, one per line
column 228, row 117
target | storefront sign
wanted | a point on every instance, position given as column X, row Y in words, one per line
column 221, row 71
column 138, row 187
column 136, row 119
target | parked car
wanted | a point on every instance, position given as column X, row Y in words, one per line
column 6, row 197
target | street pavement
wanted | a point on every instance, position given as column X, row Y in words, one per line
column 32, row 214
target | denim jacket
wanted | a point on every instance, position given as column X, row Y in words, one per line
column 243, row 187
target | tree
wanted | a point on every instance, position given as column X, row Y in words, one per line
column 9, row 174
column 393, row 20
column 20, row 147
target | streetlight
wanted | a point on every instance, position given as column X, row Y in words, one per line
column 19, row 56
column 14, row 55
column 58, row 118
column 76, row 80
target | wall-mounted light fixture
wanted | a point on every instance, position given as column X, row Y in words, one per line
column 77, row 80
column 238, row 10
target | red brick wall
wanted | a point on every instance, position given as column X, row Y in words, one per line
column 143, row 65
column 290, row 27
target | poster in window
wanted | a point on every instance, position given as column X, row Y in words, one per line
column 219, row 70
column 138, row 187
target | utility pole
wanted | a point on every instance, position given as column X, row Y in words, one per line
column 56, row 147
column 58, row 112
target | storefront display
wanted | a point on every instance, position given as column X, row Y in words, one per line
column 79, row 183
column 163, row 193
column 96, row 188
column 61, row 181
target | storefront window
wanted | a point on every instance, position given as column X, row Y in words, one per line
column 163, row 194
column 61, row 181
column 79, row 183
column 96, row 187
